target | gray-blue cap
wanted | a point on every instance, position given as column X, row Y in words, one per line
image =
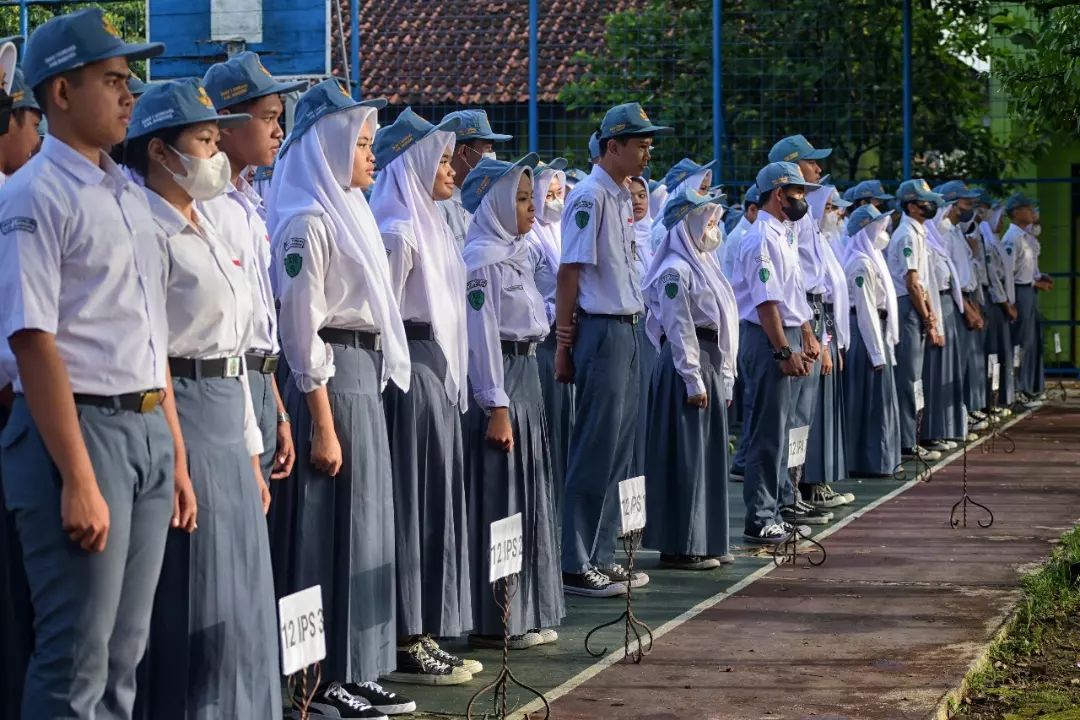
column 409, row 129
column 836, row 201
column 781, row 174
column 328, row 97
column 732, row 219
column 71, row 41
column 486, row 174
column 878, row 190
column 21, row 96
column 474, row 126
column 629, row 119
column 594, row 146
column 574, row 176
column 678, row 207
column 684, row 169
column 1018, row 200
column 136, row 86
column 241, row 78
column 752, row 196
column 174, row 104
column 916, row 190
column 862, row 217
column 557, row 165
column 956, row 190
column 794, row 148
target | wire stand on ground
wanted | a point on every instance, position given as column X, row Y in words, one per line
column 505, row 675
column 965, row 500
column 299, row 696
column 922, row 467
column 787, row 551
column 633, row 626
column 996, row 434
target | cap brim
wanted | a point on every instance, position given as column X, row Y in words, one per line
column 377, row 103
column 136, row 51
column 818, row 154
column 229, row 120
column 558, row 164
column 884, row 196
column 840, row 202
column 450, row 124
column 804, row 184
column 278, row 88
column 492, row 137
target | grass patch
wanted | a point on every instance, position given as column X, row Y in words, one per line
column 1033, row 671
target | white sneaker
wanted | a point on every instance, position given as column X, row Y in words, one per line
column 616, row 573
column 923, row 454
column 591, row 583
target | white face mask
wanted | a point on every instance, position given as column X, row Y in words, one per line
column 831, row 224
column 491, row 155
column 710, row 240
column 203, row 178
column 882, row 240
column 553, row 210
column 1036, row 230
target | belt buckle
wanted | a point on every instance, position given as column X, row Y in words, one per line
column 232, row 367
column 634, row 319
column 269, row 365
column 530, row 349
column 149, row 401
column 378, row 343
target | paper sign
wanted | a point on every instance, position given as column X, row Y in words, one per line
column 991, row 361
column 796, row 451
column 920, row 399
column 995, row 377
column 1057, row 344
column 632, row 503
column 303, row 633
column 1016, row 355
column 507, row 548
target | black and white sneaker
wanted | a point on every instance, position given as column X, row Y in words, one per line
column 591, row 584
column 823, row 496
column 347, row 704
column 416, row 667
column 805, row 514
column 688, row 562
column 432, row 648
column 774, row 534
column 616, row 573
column 380, row 698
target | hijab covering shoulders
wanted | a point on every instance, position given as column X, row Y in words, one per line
column 834, row 270
column 861, row 250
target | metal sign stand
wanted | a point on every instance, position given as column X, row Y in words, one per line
column 966, row 500
column 632, row 624
column 788, row 550
column 505, row 675
column 299, row 696
column 1059, row 387
column 996, row 433
column 922, row 466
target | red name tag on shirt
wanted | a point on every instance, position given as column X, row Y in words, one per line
column 236, row 262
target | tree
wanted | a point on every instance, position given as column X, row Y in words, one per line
column 832, row 73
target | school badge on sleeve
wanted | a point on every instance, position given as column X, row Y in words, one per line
column 474, row 292
column 581, row 219
column 671, row 290
column 907, row 252
column 763, row 275
column 859, row 280
column 293, row 263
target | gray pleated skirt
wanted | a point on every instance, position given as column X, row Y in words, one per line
column 648, row 355
column 686, row 469
column 502, row 484
column 826, row 448
column 16, row 612
column 943, row 388
column 213, row 650
column 873, row 414
column 998, row 338
column 432, row 536
column 974, row 360
column 560, row 402
column 338, row 532
column 1028, row 335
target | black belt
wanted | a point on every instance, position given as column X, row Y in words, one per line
column 262, row 364
column 707, row 335
column 880, row 313
column 811, row 297
column 519, row 347
column 192, row 369
column 829, row 308
column 943, row 293
column 351, row 338
column 1022, row 284
column 138, row 402
column 419, row 331
column 628, row 319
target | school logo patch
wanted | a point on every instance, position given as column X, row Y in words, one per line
column 293, row 263
column 763, row 275
column 204, row 98
column 18, row 224
column 907, row 252
column 109, row 27
column 859, row 281
column 476, row 299
column 671, row 290
column 581, row 219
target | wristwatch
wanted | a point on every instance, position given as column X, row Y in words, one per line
column 782, row 354
column 283, row 417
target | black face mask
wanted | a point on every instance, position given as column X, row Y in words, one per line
column 966, row 215
column 928, row 209
column 795, row 208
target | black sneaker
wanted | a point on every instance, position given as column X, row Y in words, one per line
column 616, row 573
column 591, row 584
column 380, row 698
column 803, row 514
column 774, row 534
column 688, row 562
column 416, row 667
column 347, row 704
column 433, row 650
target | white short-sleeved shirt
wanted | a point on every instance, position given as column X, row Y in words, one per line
column 1024, row 249
column 240, row 218
column 808, row 241
column 767, row 269
column 867, row 289
column 503, row 303
column 907, row 251
column 545, row 276
column 85, row 262
column 457, row 217
column 598, row 233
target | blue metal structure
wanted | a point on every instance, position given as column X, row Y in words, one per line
column 534, row 90
column 907, row 88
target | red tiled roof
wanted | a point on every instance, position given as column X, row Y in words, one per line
column 470, row 51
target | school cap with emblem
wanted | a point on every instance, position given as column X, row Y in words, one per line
column 174, row 104
column 878, row 190
column 21, row 96
column 678, row 207
column 71, row 41
column 241, row 78
column 781, row 174
column 837, row 201
column 956, row 190
column 628, row 119
column 864, row 216
column 752, row 196
column 324, row 99
column 684, row 169
column 796, row 147
column 409, row 129
column 1018, row 200
column 474, row 126
column 557, row 164
column 484, row 176
column 915, row 190
column 573, row 175
column 863, row 191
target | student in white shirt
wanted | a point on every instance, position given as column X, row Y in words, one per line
column 88, row 454
column 694, row 322
column 427, row 275
column 872, row 413
column 1001, row 312
column 20, row 141
column 220, row 577
column 475, row 141
column 1021, row 243
column 507, row 460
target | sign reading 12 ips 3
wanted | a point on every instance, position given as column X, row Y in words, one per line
column 292, row 37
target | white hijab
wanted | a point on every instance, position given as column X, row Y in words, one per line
column 710, row 291
column 860, row 246
column 935, row 241
column 642, row 234
column 657, row 198
column 548, row 235
column 993, row 244
column 403, row 206
column 834, row 271
column 493, row 237
column 309, row 180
